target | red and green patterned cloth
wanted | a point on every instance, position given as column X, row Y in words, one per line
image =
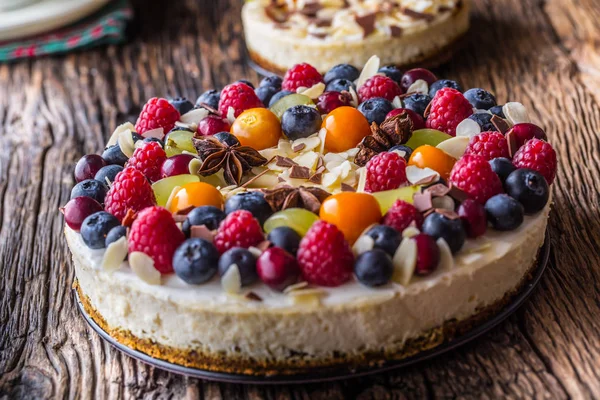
column 106, row 26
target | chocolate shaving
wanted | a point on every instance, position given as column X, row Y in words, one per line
column 298, row 147
column 422, row 201
column 280, row 179
column 447, row 213
column 418, row 15
column 311, row 9
column 427, row 110
column 320, row 163
column 286, row 197
column 513, row 144
column 316, row 178
column 322, row 22
column 210, row 109
column 298, row 172
column 318, row 35
column 253, row 296
column 442, row 9
column 500, row 124
column 284, row 162
column 179, row 217
column 457, row 194
column 438, row 190
column 366, row 22
column 396, row 31
column 201, row 232
column 277, row 14
column 347, row 188
column 254, row 178
column 130, row 216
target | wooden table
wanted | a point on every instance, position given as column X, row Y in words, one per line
column 55, row 109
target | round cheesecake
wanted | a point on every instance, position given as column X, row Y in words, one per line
column 324, row 33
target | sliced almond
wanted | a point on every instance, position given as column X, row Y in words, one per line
column 322, row 135
column 127, row 126
column 354, row 96
column 410, row 232
column 114, row 255
column 343, row 170
column 454, row 147
column 329, row 157
column 194, row 116
column 362, row 179
column 405, row 261
column 416, row 175
column 295, row 286
column 126, row 144
column 515, row 113
column 158, row 133
column 468, row 128
column 363, row 244
column 308, row 160
column 310, row 143
column 397, row 102
column 315, row 91
column 369, row 70
column 170, row 199
column 194, row 166
column 308, row 297
column 231, row 281
column 330, row 179
column 143, row 266
column 446, row 260
column 231, row 115
column 418, row 86
column 256, row 252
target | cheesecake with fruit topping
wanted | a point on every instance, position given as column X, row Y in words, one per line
column 281, row 228
column 280, row 33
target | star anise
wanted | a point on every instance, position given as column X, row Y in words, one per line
column 284, row 197
column 393, row 131
column 234, row 160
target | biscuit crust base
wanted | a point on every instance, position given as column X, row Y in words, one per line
column 296, row 365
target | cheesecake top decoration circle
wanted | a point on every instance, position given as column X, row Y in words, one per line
column 304, row 224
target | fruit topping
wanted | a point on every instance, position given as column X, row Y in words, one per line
column 385, row 171
column 417, row 102
column 95, row 227
column 450, row 229
column 385, row 238
column 178, row 164
column 375, row 109
column 329, row 101
column 301, row 75
column 90, row 188
column 129, row 191
column 286, row 238
column 108, row 173
column 155, row 233
column 428, row 254
column 402, row 215
column 254, row 202
column 164, row 187
column 78, row 209
column 277, row 268
column 148, row 159
column 489, row 145
column 502, row 167
column 392, row 72
column 480, row 99
column 413, row 75
column 402, row 150
column 474, row 175
column 529, row 188
column 157, row 113
column 239, row 229
column 182, row 105
column 238, row 96
column 300, row 122
column 374, row 268
column 431, row 137
column 417, row 121
column 278, row 96
column 245, row 262
column 504, row 212
column 340, row 85
column 443, row 83
column 209, row 216
column 273, row 81
column 448, row 108
column 539, row 156
column 342, row 71
column 195, row 261
column 387, row 198
column 212, row 125
column 324, row 256
column 379, row 86
column 114, row 156
column 209, row 98
column 115, row 234
column 525, row 131
column 345, row 127
column 258, row 128
column 179, row 141
column 265, row 94
column 427, row 156
column 351, row 212
column 497, row 110
column 88, row 166
column 473, row 217
column 195, row 194
column 484, row 120
column 297, row 219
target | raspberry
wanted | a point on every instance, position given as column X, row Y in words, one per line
column 385, row 171
column 148, row 159
column 474, row 175
column 539, row 156
column 155, row 233
column 157, row 113
column 489, row 145
column 324, row 255
column 379, row 86
column 239, row 229
column 303, row 74
column 239, row 96
column 448, row 108
column 130, row 190
column 401, row 215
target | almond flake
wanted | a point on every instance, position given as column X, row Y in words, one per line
column 315, row 91
column 194, row 166
column 362, row 245
column 418, row 86
column 114, row 255
column 308, row 144
column 322, row 134
column 158, row 133
column 410, row 232
column 143, row 266
column 455, row 147
column 369, row 70
column 405, row 261
column 231, row 281
column 308, row 160
column 194, row 116
column 309, row 297
column 446, row 260
column 362, row 179
column 354, row 96
column 397, row 102
column 329, row 179
column 126, row 144
column 418, row 176
column 468, row 128
column 231, row 115
column 295, row 286
column 170, row 199
column 127, row 126
column 515, row 113
column 256, row 252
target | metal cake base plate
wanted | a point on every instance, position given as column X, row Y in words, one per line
column 336, row 373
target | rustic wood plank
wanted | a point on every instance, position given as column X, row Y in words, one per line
column 55, row 109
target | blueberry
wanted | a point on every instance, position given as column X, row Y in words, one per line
column 386, row 238
column 529, row 188
column 442, row 83
column 115, row 234
column 374, row 268
column 182, row 104
column 375, row 109
column 286, row 238
column 341, row 71
column 245, row 261
column 273, row 81
column 339, row 85
column 210, row 98
column 451, row 230
column 108, row 173
column 407, row 150
column 481, row 99
column 95, row 228
column 300, row 122
column 195, row 261
column 497, row 110
column 417, row 102
column 502, row 167
column 157, row 140
column 504, row 212
column 90, row 188
column 114, row 155
column 136, row 137
column 265, row 93
column 227, row 138
column 278, row 96
column 392, row 72
column 205, row 215
column 251, row 201
column 484, row 120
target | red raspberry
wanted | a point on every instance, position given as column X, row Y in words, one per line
column 379, row 86
column 239, row 96
column 303, row 74
column 130, row 190
column 448, row 108
column 324, row 255
column 157, row 113
column 401, row 215
column 155, row 233
column 239, row 229
column 385, row 171
column 489, row 145
column 473, row 217
column 539, row 156
column 148, row 159
column 474, row 175
column 212, row 125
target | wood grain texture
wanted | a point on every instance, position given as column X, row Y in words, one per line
column 54, row 109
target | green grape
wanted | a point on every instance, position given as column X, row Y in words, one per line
column 163, row 188
column 177, row 142
column 290, row 101
column 298, row 219
column 387, row 198
column 431, row 137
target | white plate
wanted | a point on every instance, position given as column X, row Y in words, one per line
column 44, row 16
